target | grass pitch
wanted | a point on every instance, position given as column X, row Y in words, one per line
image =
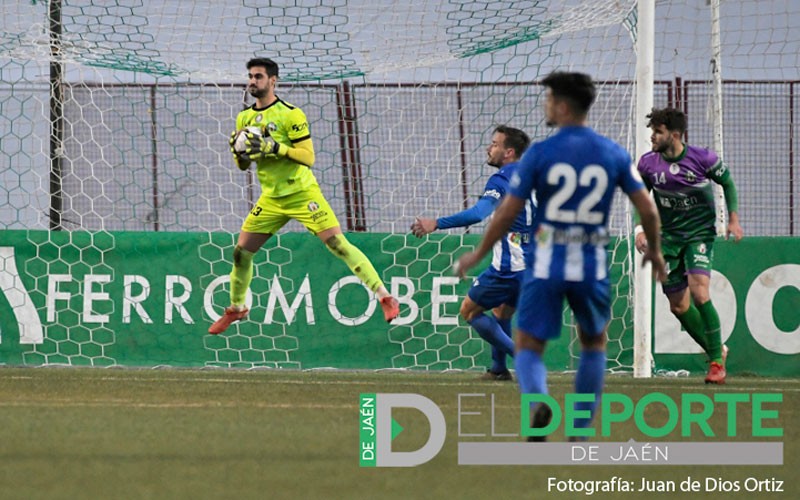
column 104, row 433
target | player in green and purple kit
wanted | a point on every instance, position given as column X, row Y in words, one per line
column 678, row 175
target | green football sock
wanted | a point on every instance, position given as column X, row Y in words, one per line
column 355, row 260
column 713, row 331
column 241, row 275
column 693, row 323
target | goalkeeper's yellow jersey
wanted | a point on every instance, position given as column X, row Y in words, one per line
column 287, row 124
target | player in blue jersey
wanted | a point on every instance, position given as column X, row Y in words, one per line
column 574, row 174
column 497, row 288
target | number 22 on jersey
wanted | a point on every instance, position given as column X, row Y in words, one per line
column 565, row 175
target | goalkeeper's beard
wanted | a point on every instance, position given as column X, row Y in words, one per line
column 256, row 92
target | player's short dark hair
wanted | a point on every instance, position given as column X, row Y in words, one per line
column 516, row 139
column 673, row 119
column 577, row 89
column 266, row 63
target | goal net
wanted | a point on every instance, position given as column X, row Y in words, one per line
column 115, row 118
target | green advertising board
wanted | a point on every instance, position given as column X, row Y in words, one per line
column 147, row 299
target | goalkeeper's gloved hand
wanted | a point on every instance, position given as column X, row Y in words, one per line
column 241, row 161
column 232, row 143
column 260, row 145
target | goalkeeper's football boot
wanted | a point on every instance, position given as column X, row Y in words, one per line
column 231, row 314
column 716, row 374
column 541, row 418
column 391, row 308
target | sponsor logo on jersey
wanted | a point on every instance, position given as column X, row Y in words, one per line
column 688, row 202
column 493, row 193
column 684, row 203
column 515, row 238
column 299, row 127
column 318, row 215
column 271, row 127
column 544, row 235
column 701, row 248
column 690, row 177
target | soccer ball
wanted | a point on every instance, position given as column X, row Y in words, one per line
column 239, row 143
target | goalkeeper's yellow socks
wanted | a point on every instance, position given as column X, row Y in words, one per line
column 241, row 275
column 713, row 331
column 355, row 259
column 694, row 325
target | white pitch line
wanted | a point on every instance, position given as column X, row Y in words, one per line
column 655, row 384
column 133, row 404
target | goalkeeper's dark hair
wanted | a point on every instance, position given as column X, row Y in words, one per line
column 577, row 89
column 516, row 139
column 673, row 119
column 266, row 63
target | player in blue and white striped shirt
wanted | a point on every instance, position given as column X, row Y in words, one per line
column 497, row 288
column 574, row 174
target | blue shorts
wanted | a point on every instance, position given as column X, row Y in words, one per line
column 541, row 304
column 490, row 290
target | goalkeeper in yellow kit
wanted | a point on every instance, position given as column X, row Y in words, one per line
column 283, row 155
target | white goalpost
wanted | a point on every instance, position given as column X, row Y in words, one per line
column 643, row 284
column 715, row 108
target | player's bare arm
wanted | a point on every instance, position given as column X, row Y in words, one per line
column 734, row 228
column 640, row 241
column 423, row 226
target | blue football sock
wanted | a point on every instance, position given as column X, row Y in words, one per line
column 491, row 331
column 498, row 361
column 499, row 357
column 505, row 325
column 531, row 372
column 589, row 380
